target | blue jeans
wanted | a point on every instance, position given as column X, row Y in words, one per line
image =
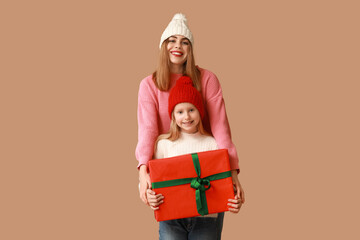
column 195, row 228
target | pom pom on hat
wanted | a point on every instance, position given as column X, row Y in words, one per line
column 179, row 16
column 177, row 26
column 184, row 91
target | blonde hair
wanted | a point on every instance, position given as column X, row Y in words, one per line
column 161, row 76
column 174, row 131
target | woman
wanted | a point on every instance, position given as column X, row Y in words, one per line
column 177, row 59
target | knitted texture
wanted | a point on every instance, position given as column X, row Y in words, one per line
column 177, row 26
column 184, row 91
column 187, row 143
column 153, row 116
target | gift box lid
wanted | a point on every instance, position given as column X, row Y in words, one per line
column 182, row 166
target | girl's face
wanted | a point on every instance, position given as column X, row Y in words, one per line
column 178, row 48
column 187, row 117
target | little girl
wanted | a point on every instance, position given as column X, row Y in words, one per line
column 187, row 135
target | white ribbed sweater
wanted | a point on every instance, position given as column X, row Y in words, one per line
column 187, row 143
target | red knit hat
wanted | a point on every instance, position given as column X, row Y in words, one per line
column 184, row 91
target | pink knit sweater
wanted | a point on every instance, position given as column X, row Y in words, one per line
column 153, row 116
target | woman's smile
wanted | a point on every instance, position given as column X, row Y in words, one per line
column 178, row 49
column 176, row 53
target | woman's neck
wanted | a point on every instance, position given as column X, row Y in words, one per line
column 177, row 69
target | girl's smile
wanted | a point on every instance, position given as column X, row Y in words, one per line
column 187, row 124
column 187, row 117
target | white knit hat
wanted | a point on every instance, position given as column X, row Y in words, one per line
column 178, row 25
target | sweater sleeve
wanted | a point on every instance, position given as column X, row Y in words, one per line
column 218, row 119
column 147, row 123
column 160, row 149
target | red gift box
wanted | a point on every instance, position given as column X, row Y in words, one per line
column 192, row 184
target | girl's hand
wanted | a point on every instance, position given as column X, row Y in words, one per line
column 239, row 194
column 234, row 204
column 145, row 183
column 154, row 199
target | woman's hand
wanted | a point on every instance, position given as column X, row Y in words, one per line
column 239, row 199
column 154, row 199
column 145, row 183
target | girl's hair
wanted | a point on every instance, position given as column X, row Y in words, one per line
column 174, row 131
column 161, row 76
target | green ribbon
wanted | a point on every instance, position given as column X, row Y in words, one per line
column 198, row 183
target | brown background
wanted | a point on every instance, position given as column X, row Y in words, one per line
column 70, row 73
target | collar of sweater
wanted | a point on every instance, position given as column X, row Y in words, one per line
column 190, row 135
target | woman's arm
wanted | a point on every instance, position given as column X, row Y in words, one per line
column 144, row 183
column 220, row 129
column 148, row 130
column 219, row 123
column 147, row 134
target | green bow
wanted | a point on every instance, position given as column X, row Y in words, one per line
column 199, row 184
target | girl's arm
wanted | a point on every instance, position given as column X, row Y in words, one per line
column 154, row 200
column 236, row 203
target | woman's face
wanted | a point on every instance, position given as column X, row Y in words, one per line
column 178, row 48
